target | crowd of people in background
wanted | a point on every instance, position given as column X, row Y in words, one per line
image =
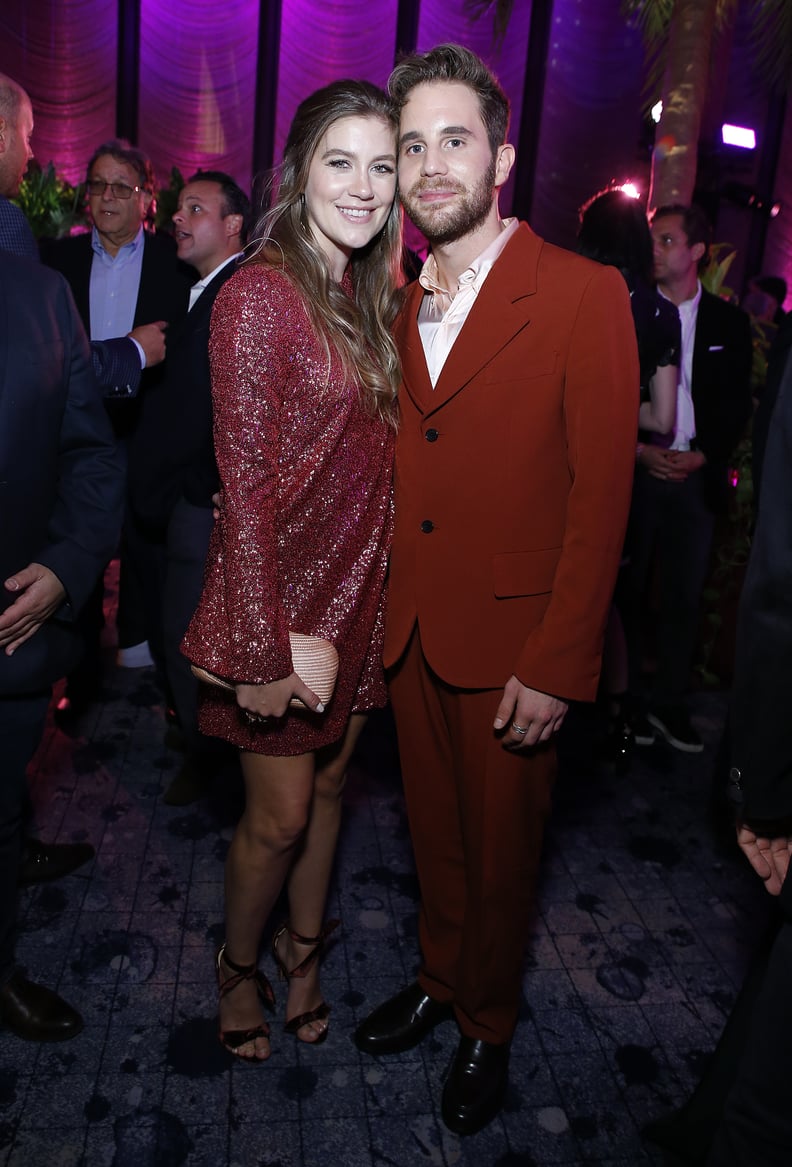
column 268, row 424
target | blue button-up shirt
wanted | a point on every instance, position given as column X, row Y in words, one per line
column 115, row 281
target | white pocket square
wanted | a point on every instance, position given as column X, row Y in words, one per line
column 717, row 348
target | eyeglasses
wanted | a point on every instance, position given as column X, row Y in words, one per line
column 119, row 190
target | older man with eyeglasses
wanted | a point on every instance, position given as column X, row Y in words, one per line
column 127, row 281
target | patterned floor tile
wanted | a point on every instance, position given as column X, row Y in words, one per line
column 644, row 926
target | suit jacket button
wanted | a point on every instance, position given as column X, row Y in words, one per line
column 427, row 526
column 431, row 435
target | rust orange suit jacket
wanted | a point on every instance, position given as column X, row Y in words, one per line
column 513, row 476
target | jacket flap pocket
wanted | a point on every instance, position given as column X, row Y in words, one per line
column 525, row 573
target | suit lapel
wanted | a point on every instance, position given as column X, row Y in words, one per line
column 147, row 276
column 701, row 346
column 702, row 337
column 207, row 298
column 498, row 314
column 199, row 315
column 415, row 374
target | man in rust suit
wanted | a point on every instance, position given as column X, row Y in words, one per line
column 513, row 476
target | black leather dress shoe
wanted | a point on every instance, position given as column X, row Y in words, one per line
column 36, row 1013
column 401, row 1022
column 44, row 861
column 476, row 1085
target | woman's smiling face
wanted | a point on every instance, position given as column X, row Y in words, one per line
column 351, row 186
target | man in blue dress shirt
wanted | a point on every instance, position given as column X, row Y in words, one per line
column 122, row 276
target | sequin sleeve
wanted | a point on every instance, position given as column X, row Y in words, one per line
column 249, row 368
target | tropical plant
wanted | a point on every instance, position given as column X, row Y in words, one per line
column 52, row 206
column 167, row 200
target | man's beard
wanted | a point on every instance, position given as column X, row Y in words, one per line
column 447, row 224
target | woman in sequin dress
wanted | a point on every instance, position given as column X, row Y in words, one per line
column 304, row 379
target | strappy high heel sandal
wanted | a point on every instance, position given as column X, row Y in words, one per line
column 234, row 1039
column 321, row 1012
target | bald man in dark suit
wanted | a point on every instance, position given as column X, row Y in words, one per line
column 60, row 511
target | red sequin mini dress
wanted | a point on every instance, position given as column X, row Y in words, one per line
column 303, row 539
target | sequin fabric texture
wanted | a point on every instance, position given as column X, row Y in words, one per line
column 304, row 533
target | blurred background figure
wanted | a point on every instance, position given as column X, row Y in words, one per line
column 765, row 298
column 59, row 522
column 172, row 467
column 614, row 230
column 681, row 479
column 16, row 131
column 122, row 277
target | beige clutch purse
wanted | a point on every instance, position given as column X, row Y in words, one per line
column 315, row 663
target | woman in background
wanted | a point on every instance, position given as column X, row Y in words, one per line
column 305, row 375
column 614, row 230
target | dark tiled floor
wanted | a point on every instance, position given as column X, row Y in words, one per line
column 642, row 934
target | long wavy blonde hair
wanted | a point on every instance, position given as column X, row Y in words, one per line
column 359, row 329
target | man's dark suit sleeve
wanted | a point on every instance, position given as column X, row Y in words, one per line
column 761, row 712
column 83, row 530
column 116, row 365
column 15, row 233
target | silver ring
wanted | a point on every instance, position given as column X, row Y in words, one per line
column 519, row 729
column 252, row 717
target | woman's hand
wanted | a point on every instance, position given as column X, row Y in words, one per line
column 272, row 700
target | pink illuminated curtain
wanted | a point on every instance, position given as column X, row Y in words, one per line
column 64, row 54
column 197, row 85
column 321, row 42
column 591, row 116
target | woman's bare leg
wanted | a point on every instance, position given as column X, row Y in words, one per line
column 278, row 799
column 310, row 876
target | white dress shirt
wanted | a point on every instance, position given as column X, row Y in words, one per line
column 685, row 426
column 443, row 312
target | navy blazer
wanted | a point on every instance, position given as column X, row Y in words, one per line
column 171, row 452
column 116, row 364
column 15, row 233
column 60, row 483
column 721, row 387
